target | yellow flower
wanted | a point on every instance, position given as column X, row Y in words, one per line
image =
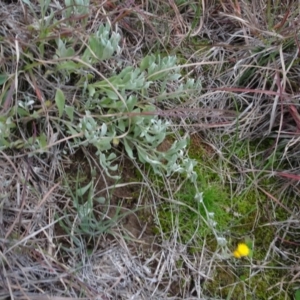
column 241, row 250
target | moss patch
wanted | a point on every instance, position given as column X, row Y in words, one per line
column 238, row 216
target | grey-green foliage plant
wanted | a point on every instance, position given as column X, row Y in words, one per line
column 86, row 222
column 76, row 7
column 120, row 108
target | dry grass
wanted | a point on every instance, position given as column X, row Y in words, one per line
column 246, row 55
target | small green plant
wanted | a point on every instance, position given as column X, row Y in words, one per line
column 118, row 107
column 81, row 221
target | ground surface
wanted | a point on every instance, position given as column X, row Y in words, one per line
column 141, row 142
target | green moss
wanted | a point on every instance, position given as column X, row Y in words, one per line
column 187, row 214
column 250, row 216
column 241, row 283
column 238, row 215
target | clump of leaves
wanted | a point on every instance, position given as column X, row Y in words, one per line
column 118, row 107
